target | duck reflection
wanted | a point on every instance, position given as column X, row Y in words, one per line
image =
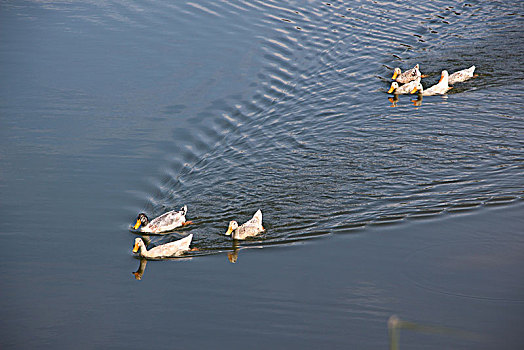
column 143, row 262
column 418, row 101
column 232, row 256
column 393, row 100
column 138, row 273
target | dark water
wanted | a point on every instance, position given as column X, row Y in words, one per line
column 108, row 109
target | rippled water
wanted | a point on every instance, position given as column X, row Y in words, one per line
column 112, row 108
column 312, row 142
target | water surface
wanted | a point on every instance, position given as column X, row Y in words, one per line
column 109, row 109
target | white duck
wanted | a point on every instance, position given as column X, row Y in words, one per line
column 250, row 228
column 438, row 89
column 407, row 76
column 404, row 89
column 461, row 75
column 175, row 248
column 164, row 223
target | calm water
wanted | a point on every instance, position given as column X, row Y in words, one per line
column 112, row 108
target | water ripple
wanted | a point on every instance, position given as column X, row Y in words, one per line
column 314, row 145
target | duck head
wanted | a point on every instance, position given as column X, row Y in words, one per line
column 141, row 220
column 138, row 244
column 394, row 86
column 396, row 73
column 418, row 88
column 233, row 225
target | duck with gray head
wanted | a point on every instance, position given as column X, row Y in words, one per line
column 164, row 223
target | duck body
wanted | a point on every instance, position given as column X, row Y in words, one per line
column 404, row 89
column 164, row 223
column 175, row 248
column 438, row 89
column 250, row 228
column 407, row 76
column 461, row 75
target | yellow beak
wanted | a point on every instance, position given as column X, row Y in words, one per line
column 135, row 248
column 394, row 75
column 138, row 223
column 391, row 89
column 414, row 90
column 229, row 230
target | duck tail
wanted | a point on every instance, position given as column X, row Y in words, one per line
column 258, row 215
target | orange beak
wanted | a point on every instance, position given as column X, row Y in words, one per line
column 414, row 90
column 135, row 248
column 441, row 77
column 229, row 230
column 391, row 89
column 138, row 223
column 394, row 75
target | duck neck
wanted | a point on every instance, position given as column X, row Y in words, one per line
column 142, row 250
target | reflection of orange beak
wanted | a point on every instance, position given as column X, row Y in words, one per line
column 232, row 257
column 138, row 223
column 135, row 248
column 394, row 75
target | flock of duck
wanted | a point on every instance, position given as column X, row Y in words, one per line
column 171, row 220
column 174, row 219
column 411, row 81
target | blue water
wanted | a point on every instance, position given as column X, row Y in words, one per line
column 110, row 109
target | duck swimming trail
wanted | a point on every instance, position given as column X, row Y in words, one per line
column 312, row 140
